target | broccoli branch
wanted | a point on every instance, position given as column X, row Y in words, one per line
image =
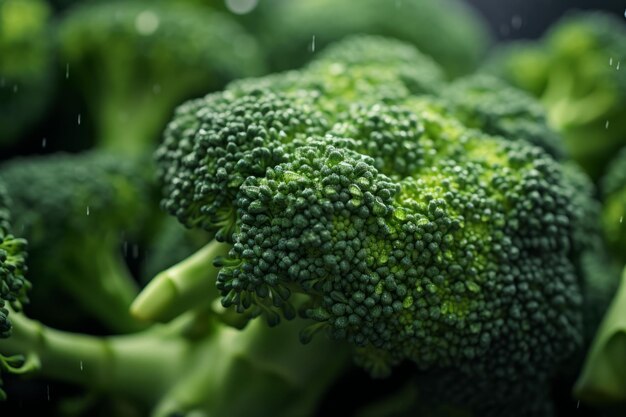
column 184, row 286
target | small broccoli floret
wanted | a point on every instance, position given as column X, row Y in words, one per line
column 141, row 60
column 13, row 285
column 76, row 210
column 575, row 71
column 26, row 71
column 492, row 106
column 293, row 32
column 614, row 212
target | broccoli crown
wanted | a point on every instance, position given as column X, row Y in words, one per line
column 575, row 71
column 440, row 267
column 485, row 103
column 294, row 31
column 25, row 68
column 13, row 285
column 144, row 59
column 55, row 198
column 614, row 209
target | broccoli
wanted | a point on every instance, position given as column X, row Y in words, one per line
column 575, row 71
column 26, row 70
column 75, row 211
column 134, row 62
column 614, row 214
column 414, row 229
column 293, row 31
column 13, row 285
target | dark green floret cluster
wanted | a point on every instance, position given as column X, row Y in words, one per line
column 420, row 228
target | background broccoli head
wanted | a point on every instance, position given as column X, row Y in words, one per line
column 134, row 62
column 575, row 71
column 26, row 70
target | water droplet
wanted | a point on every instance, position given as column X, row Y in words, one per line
column 48, row 392
column 578, row 404
column 516, row 22
column 621, row 219
column 146, row 22
column 313, row 44
column 611, row 61
column 87, row 210
column 78, row 119
column 67, row 70
column 44, row 142
column 15, row 88
column 81, row 366
column 606, row 125
column 241, row 6
column 618, row 62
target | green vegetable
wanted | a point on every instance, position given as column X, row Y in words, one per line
column 76, row 211
column 575, row 71
column 614, row 213
column 134, row 62
column 26, row 70
column 413, row 233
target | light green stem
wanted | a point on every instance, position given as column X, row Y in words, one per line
column 185, row 286
column 140, row 367
column 603, row 378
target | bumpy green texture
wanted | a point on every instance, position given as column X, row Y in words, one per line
column 134, row 62
column 13, row 284
column 76, row 210
column 293, row 31
column 419, row 228
column 488, row 104
column 26, row 72
column 614, row 213
column 575, row 71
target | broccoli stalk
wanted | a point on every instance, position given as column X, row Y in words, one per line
column 603, row 377
column 185, row 371
column 184, row 286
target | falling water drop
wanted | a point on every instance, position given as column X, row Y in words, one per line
column 78, row 119
column 313, row 44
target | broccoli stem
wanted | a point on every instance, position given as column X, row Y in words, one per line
column 603, row 378
column 103, row 287
column 182, row 287
column 259, row 371
column 139, row 366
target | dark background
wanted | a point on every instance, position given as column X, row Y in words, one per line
column 528, row 19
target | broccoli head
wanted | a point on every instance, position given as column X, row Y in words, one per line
column 135, row 62
column 13, row 284
column 26, row 71
column 575, row 71
column 76, row 210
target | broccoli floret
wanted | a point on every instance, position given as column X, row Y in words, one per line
column 575, row 71
column 26, row 71
column 485, row 103
column 76, row 210
column 292, row 31
column 13, row 284
column 134, row 62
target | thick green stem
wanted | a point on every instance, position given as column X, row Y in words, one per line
column 140, row 367
column 603, row 378
column 186, row 285
column 258, row 371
